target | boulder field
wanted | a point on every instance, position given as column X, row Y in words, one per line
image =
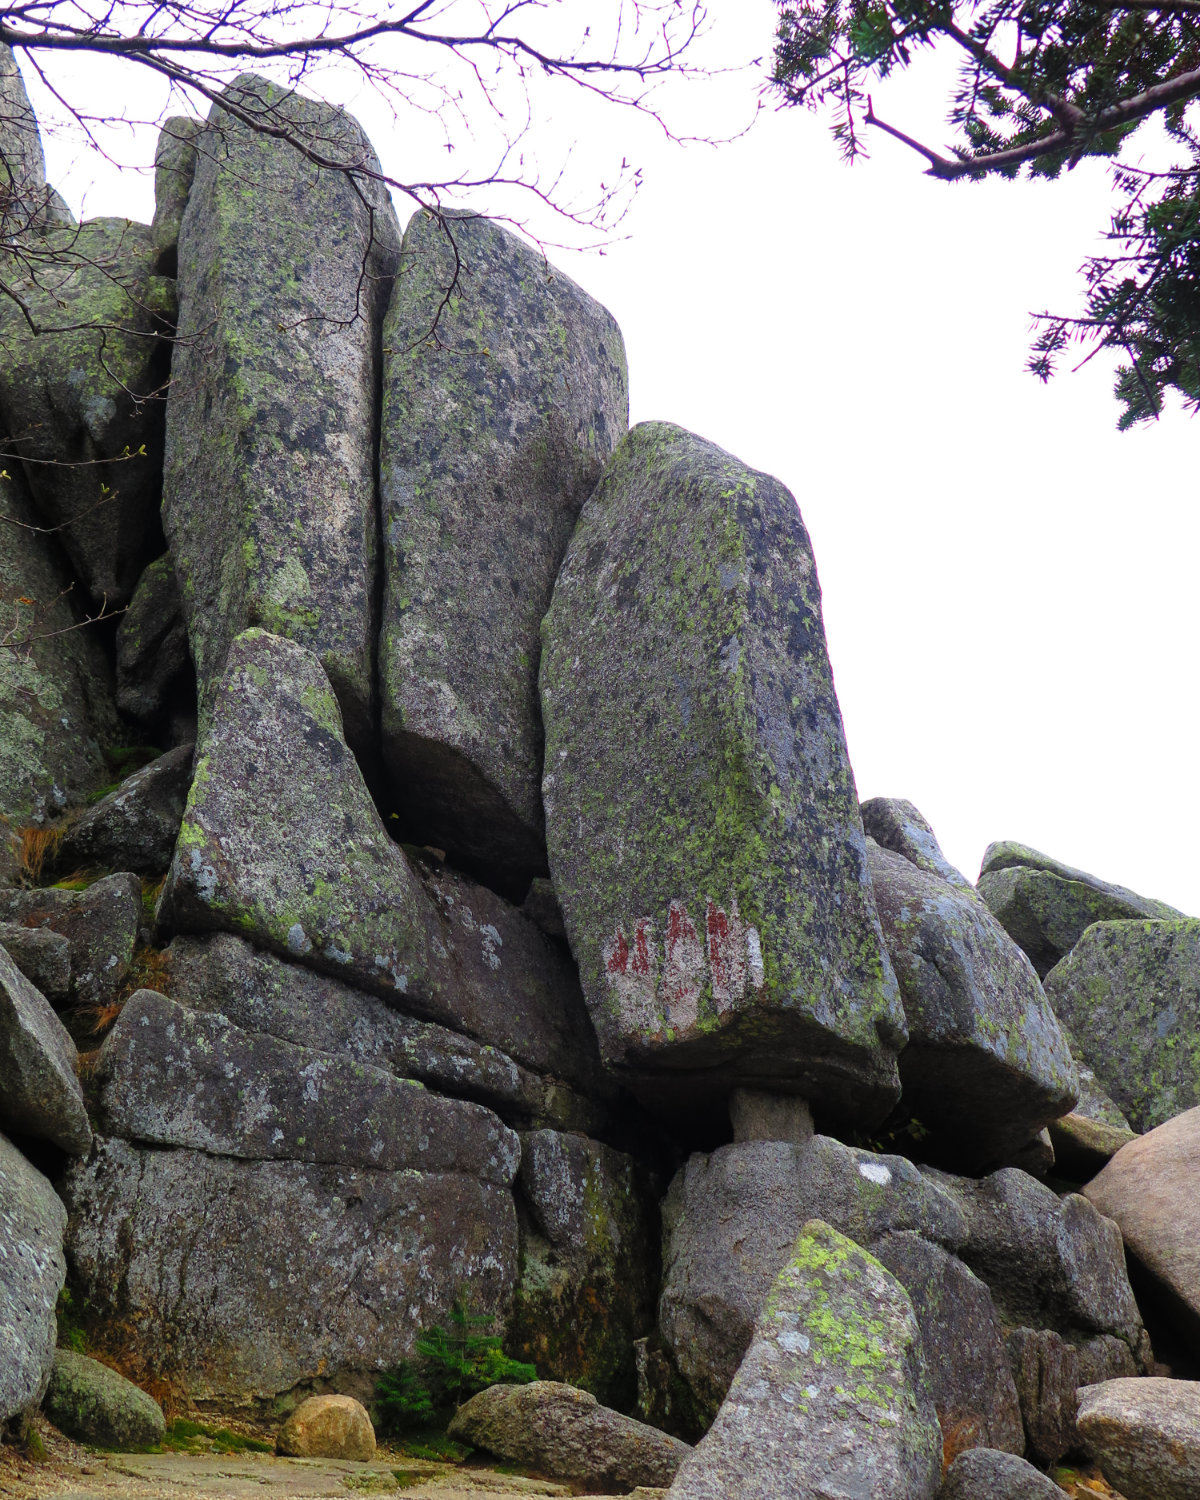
column 442, row 951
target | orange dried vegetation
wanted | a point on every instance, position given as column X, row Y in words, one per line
column 36, row 846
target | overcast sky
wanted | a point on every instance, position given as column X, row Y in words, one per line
column 1009, row 583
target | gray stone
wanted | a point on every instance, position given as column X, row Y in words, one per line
column 1145, row 1435
column 541, row 907
column 1005, row 854
column 1045, row 1369
column 692, row 727
column 758, row 1116
column 44, row 957
column 32, row 1272
column 39, row 1092
column 986, row 1064
column 154, row 663
column 1094, row 1103
column 833, row 1396
column 22, row 164
column 895, row 824
column 969, row 1375
column 93, row 1404
column 268, row 490
column 500, row 407
column 174, row 168
column 177, row 1077
column 585, row 1292
column 1083, row 1146
column 1129, row 992
column 135, row 826
column 240, row 1279
column 985, row 1474
column 567, row 1434
column 82, row 399
column 743, row 1207
column 282, row 842
column 101, row 924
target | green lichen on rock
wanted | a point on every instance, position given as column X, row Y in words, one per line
column 702, row 824
column 93, row 1404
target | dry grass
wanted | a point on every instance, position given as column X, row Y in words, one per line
column 36, row 847
column 957, row 1437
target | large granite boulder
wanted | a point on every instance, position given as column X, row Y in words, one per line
column 269, row 489
column 895, row 824
column 154, row 664
column 567, row 1434
column 32, row 1272
column 39, row 1093
column 1129, row 992
column 585, row 1293
column 135, row 826
column 1145, row 1435
column 832, row 1398
column 281, row 842
column 101, row 924
column 238, row 1279
column 1046, row 906
column 81, row 400
column 703, row 829
column 986, row 1065
column 505, row 390
column 93, row 1404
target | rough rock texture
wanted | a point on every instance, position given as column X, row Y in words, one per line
column 1145, row 1435
column 986, row 1062
column 1129, row 992
column 985, row 1474
column 32, row 1220
column 1149, row 1189
column 44, row 957
column 39, row 1092
column 56, row 705
column 328, row 1427
column 1083, row 1146
column 101, row 924
column 83, row 410
column 494, row 434
column 704, row 833
column 832, row 1398
column 22, row 165
column 154, row 664
column 260, row 992
column 177, row 1077
column 896, row 824
column 541, row 907
column 174, row 169
column 239, row 1279
column 743, row 1207
column 585, row 1292
column 93, row 1404
column 567, row 1434
column 1045, row 1369
column 969, row 1375
column 1046, row 906
column 135, row 826
column 759, row 1116
column 268, row 490
column 282, row 842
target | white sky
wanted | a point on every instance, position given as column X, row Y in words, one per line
column 1009, row 583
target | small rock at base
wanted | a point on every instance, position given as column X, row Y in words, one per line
column 1145, row 1435
column 984, row 1472
column 328, row 1427
column 93, row 1404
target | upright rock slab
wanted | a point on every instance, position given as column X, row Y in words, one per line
column 154, row 665
column 174, row 169
column 22, row 164
column 704, row 833
column 269, row 488
column 32, row 1272
column 496, row 424
column 39, row 1092
column 832, row 1398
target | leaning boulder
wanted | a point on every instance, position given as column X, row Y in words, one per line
column 32, row 1272
column 833, row 1396
column 44, row 957
column 135, row 826
column 93, row 1404
column 567, row 1434
column 101, row 924
column 703, row 829
column 328, row 1427
column 896, row 824
column 505, row 390
column 985, row 1474
column 1145, row 1435
column 39, row 1093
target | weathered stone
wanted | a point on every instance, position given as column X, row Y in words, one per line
column 1106, row 1357
column 93, row 1404
column 1005, row 854
column 260, row 992
column 22, row 164
column 39, row 1092
column 986, row 1063
column 328, row 1427
column 567, row 1434
column 44, row 957
column 135, row 826
column 32, row 1272
column 742, row 1207
column 985, row 1474
column 1094, row 1103
column 585, row 1292
column 282, row 842
column 541, row 907
column 758, row 1116
column 1145, row 1435
column 895, row 824
column 101, row 924
column 83, row 409
column 56, row 705
column 832, row 1398
column 268, row 489
column 692, row 728
column 174, row 169
column 969, row 1375
column 500, row 407
column 664, row 1398
column 154, row 664
column 241, row 1279
column 1083, row 1146
column 1045, row 1369
column 1129, row 992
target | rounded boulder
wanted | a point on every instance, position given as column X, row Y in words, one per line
column 93, row 1404
column 328, row 1427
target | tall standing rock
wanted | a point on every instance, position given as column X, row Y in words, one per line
column 174, row 171
column 496, row 424
column 32, row 1271
column 703, row 828
column 269, row 496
